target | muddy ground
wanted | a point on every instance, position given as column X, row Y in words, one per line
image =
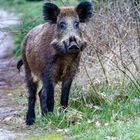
column 10, row 82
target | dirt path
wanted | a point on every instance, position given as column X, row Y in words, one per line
column 9, row 79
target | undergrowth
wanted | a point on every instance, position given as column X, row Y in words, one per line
column 116, row 118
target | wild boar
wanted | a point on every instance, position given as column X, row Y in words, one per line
column 51, row 53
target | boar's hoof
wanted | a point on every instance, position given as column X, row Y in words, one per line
column 30, row 120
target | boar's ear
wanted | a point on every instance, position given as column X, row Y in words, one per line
column 84, row 11
column 50, row 12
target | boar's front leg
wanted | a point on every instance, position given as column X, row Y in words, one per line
column 66, row 85
column 47, row 92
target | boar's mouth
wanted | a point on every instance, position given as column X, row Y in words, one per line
column 71, row 48
column 64, row 48
column 74, row 47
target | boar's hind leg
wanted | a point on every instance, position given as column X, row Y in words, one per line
column 66, row 85
column 32, row 89
column 47, row 93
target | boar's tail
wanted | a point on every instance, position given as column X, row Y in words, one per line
column 19, row 64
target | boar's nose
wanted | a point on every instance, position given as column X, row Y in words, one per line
column 73, row 44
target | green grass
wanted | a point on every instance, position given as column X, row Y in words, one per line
column 47, row 137
column 125, row 130
column 113, row 119
column 119, row 130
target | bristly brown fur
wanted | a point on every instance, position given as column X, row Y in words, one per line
column 67, row 11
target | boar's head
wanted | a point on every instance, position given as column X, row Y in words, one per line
column 69, row 38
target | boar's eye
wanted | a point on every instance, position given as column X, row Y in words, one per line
column 62, row 25
column 76, row 24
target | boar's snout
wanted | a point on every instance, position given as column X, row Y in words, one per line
column 68, row 46
column 73, row 45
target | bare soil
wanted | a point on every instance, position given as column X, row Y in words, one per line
column 10, row 81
